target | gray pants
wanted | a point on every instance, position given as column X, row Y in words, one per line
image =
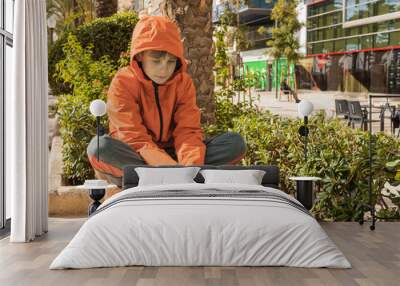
column 224, row 149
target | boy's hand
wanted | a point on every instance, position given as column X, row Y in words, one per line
column 156, row 157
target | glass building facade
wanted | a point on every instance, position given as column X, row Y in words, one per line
column 353, row 45
column 362, row 9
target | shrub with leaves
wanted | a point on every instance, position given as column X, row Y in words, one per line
column 391, row 192
column 227, row 108
column 394, row 167
column 109, row 36
column 89, row 80
column 336, row 153
column 221, row 67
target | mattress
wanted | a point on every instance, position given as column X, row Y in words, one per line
column 201, row 225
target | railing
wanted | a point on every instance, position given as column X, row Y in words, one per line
column 218, row 10
column 261, row 4
column 254, row 36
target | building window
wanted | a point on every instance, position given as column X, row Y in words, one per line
column 351, row 14
column 325, row 24
column 394, row 38
column 321, row 21
column 321, row 35
column 334, row 5
column 368, row 8
column 366, row 42
column 394, row 25
column 352, row 44
column 337, row 18
column 382, row 27
column 8, row 15
column 338, row 32
column 6, row 62
column 366, row 29
column 353, row 31
column 328, row 47
column 381, row 40
column 317, row 49
column 340, row 45
column 383, row 8
column 330, row 34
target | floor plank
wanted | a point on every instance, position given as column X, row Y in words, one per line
column 375, row 257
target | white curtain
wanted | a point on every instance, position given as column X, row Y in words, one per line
column 27, row 146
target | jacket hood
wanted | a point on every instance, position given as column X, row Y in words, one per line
column 156, row 33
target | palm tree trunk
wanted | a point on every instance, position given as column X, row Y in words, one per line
column 195, row 23
column 276, row 77
column 106, row 8
column 75, row 10
column 295, row 77
column 289, row 74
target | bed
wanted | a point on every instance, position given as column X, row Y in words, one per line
column 201, row 224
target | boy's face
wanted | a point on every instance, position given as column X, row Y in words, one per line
column 158, row 66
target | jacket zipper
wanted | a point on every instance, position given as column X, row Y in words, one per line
column 159, row 108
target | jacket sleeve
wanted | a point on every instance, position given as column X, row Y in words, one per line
column 188, row 135
column 124, row 115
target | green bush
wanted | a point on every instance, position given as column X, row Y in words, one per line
column 221, row 66
column 394, row 167
column 227, row 108
column 108, row 37
column 89, row 80
column 336, row 153
column 392, row 196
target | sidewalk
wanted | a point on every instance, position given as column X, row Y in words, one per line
column 322, row 100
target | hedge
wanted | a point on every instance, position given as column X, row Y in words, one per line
column 106, row 36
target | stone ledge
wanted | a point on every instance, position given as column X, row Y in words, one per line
column 70, row 201
column 55, row 164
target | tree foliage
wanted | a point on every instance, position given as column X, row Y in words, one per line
column 108, row 37
column 89, row 80
column 70, row 13
column 284, row 41
column 106, row 8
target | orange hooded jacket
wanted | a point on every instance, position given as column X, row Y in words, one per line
column 149, row 118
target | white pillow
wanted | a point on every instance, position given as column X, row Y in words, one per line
column 165, row 176
column 249, row 177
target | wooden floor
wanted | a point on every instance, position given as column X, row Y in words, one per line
column 375, row 257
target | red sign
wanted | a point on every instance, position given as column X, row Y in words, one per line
column 323, row 60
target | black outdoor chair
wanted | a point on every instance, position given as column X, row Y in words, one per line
column 286, row 90
column 393, row 120
column 358, row 113
column 396, row 122
column 342, row 108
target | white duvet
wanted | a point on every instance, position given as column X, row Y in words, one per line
column 188, row 231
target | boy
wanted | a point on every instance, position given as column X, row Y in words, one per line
column 152, row 111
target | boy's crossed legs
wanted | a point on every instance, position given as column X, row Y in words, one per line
column 225, row 149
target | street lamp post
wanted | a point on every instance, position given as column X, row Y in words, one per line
column 305, row 108
column 305, row 184
column 51, row 23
